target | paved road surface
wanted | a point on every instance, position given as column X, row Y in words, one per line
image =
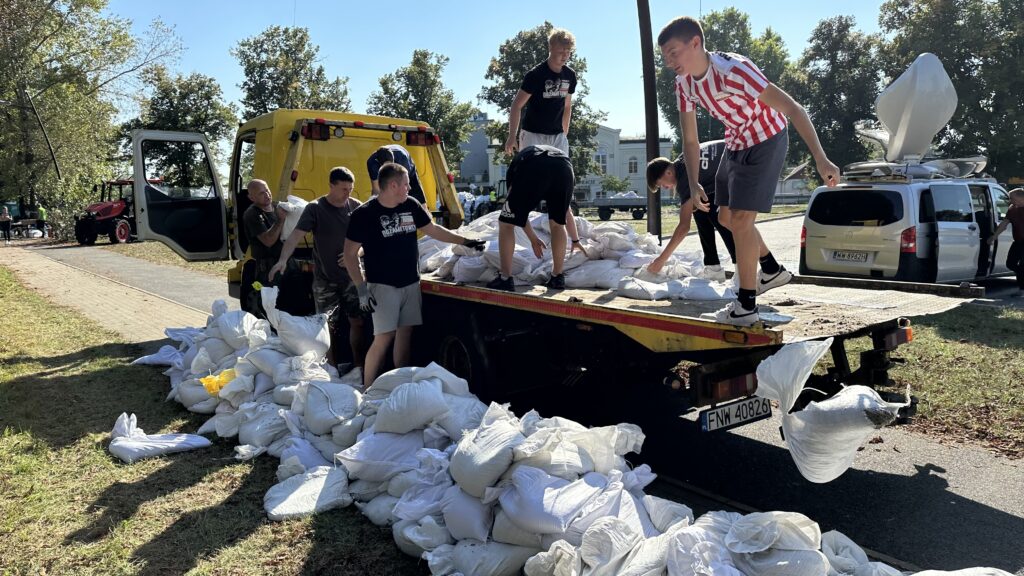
column 925, row 503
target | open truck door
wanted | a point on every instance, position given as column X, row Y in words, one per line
column 178, row 196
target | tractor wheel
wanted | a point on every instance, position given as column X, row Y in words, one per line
column 604, row 213
column 638, row 213
column 85, row 232
column 121, row 232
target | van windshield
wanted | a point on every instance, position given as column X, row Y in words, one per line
column 864, row 207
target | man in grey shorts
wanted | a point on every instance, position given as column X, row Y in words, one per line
column 334, row 293
column 385, row 228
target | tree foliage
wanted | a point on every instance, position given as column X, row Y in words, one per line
column 281, row 71
column 70, row 63
column 516, row 56
column 192, row 103
column 612, row 183
column 417, row 92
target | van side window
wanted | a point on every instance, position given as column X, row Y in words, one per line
column 926, row 212
column 952, row 204
column 1002, row 202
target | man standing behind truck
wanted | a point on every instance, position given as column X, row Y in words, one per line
column 334, row 293
column 546, row 93
column 385, row 228
column 398, row 155
column 264, row 221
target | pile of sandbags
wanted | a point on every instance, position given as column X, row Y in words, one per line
column 476, row 489
column 617, row 259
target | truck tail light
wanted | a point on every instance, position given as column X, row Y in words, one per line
column 316, row 132
column 908, row 240
column 419, row 138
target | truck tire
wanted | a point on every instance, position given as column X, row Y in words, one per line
column 120, row 232
column 639, row 213
column 604, row 213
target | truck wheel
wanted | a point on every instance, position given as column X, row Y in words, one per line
column 638, row 213
column 85, row 232
column 604, row 213
column 121, row 232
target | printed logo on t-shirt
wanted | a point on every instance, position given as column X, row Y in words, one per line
column 402, row 223
column 556, row 88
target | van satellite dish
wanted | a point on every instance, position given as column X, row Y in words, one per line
column 915, row 107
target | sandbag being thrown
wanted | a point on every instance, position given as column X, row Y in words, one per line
column 299, row 334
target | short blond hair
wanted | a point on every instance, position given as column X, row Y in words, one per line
column 562, row 37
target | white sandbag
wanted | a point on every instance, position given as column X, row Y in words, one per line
column 289, row 467
column 379, row 456
column 447, row 268
column 506, row 531
column 378, row 510
column 186, row 337
column 216, row 348
column 261, row 384
column 465, row 516
column 401, row 483
column 305, row 452
column 665, row 514
column 294, row 207
column 636, row 258
column 450, row 383
column 238, row 391
column 966, row 572
column 844, row 555
column 382, row 387
column 318, row 490
column 774, row 562
column 192, row 392
column 346, row 433
column 365, row 490
column 464, row 413
column 411, row 406
column 130, row 443
column 266, row 358
column 329, row 404
column 167, row 355
column 260, row 424
column 432, row 481
column 484, row 454
column 549, row 450
column 823, row 438
column 421, row 536
column 631, row 287
column 544, row 504
column 606, row 445
column 435, row 437
column 234, row 327
column 473, row 558
column 606, row 547
column 469, row 269
column 589, row 274
column 284, row 394
column 302, row 368
column 299, row 334
column 760, row 531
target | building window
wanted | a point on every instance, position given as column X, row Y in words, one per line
column 601, row 157
column 634, row 165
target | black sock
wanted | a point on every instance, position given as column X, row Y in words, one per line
column 747, row 298
column 769, row 266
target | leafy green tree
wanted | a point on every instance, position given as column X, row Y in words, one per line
column 1005, row 147
column 838, row 84
column 417, row 92
column 281, row 71
column 192, row 103
column 612, row 183
column 516, row 56
column 64, row 65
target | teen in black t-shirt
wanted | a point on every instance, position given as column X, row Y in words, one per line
column 546, row 93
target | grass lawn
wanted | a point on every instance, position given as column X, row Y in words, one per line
column 68, row 507
column 670, row 217
column 161, row 254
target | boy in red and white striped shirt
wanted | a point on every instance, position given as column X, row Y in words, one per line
column 733, row 90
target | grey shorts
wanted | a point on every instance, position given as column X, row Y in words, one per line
column 532, row 139
column 335, row 299
column 747, row 179
column 396, row 307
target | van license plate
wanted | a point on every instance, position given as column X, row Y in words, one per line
column 845, row 256
column 735, row 414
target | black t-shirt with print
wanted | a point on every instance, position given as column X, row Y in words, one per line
column 390, row 251
column 710, row 157
column 547, row 90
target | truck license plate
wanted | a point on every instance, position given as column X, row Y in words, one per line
column 735, row 414
column 846, row 256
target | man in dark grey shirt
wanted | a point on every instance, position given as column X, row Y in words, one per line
column 333, row 291
column 263, row 222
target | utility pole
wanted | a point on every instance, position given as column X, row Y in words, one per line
column 651, row 112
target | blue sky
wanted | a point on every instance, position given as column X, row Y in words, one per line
column 357, row 40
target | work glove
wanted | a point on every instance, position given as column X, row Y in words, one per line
column 366, row 300
column 477, row 245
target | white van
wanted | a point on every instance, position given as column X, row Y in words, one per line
column 933, row 230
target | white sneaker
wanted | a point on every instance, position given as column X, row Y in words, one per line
column 713, row 273
column 766, row 282
column 733, row 313
column 353, row 378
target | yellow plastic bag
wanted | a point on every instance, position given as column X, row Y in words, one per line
column 213, row 383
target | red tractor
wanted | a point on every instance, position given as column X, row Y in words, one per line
column 113, row 215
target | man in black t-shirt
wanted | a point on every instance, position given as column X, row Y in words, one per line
column 385, row 228
column 663, row 173
column 546, row 92
column 263, row 222
column 537, row 173
column 399, row 155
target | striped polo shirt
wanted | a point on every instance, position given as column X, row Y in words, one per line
column 729, row 91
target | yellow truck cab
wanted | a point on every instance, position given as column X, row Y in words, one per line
column 293, row 151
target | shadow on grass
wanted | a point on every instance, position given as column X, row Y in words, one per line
column 989, row 326
column 345, row 542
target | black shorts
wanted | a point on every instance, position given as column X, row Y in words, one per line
column 548, row 178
